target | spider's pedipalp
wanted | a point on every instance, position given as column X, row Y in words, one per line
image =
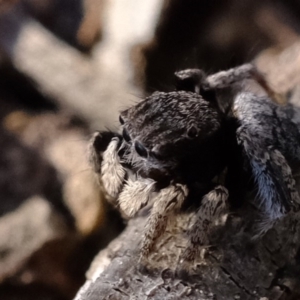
column 166, row 202
column 135, row 195
column 112, row 171
column 213, row 206
column 96, row 146
column 94, row 157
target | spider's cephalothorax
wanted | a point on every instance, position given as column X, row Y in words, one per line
column 174, row 145
column 173, row 136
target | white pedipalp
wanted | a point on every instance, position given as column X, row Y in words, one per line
column 112, row 171
column 135, row 195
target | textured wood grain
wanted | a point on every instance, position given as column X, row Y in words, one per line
column 234, row 267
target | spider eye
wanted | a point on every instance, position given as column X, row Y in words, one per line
column 192, row 132
column 121, row 120
column 126, row 136
column 140, row 149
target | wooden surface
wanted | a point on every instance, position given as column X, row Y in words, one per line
column 234, row 267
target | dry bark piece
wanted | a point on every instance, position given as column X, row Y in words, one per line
column 234, row 267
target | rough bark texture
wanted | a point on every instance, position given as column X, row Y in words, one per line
column 234, row 267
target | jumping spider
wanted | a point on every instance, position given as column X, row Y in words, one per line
column 173, row 145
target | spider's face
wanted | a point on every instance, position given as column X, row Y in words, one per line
column 165, row 131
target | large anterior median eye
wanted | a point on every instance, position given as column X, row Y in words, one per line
column 140, row 149
column 126, row 136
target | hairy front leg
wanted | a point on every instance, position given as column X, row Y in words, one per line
column 165, row 203
column 194, row 80
column 277, row 193
column 213, row 206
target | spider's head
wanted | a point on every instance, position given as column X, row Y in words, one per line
column 168, row 135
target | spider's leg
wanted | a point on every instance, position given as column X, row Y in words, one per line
column 213, row 206
column 194, row 79
column 287, row 176
column 277, row 193
column 225, row 79
column 189, row 80
column 165, row 203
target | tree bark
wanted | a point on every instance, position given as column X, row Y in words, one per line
column 234, row 266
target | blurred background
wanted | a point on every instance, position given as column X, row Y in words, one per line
column 66, row 68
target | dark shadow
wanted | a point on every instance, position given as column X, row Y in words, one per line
column 193, row 34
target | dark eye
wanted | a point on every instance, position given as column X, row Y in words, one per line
column 140, row 149
column 192, row 132
column 121, row 120
column 126, row 136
